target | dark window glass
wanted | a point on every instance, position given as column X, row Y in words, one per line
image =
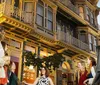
column 50, row 19
column 40, row 15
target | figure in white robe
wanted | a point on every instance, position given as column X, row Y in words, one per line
column 3, row 79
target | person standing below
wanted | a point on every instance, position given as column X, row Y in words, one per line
column 44, row 79
column 13, row 80
column 91, row 73
column 82, row 73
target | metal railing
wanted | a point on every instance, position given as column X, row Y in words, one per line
column 69, row 39
column 68, row 4
column 17, row 13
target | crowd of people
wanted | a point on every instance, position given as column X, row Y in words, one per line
column 7, row 68
column 8, row 77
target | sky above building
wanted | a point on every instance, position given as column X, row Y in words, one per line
column 99, row 12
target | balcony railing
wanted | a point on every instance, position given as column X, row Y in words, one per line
column 69, row 39
column 68, row 4
column 15, row 12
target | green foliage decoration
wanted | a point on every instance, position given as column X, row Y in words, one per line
column 50, row 62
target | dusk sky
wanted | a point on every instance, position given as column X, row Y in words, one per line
column 99, row 12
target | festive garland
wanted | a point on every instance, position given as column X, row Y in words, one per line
column 50, row 62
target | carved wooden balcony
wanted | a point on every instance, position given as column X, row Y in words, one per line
column 69, row 4
column 70, row 40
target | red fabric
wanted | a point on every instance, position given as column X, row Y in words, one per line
column 82, row 78
column 3, row 80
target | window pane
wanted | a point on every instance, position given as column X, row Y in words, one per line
column 50, row 25
column 90, row 46
column 83, row 37
column 40, row 10
column 50, row 15
column 40, row 20
column 95, row 42
column 28, row 7
column 58, row 27
column 16, row 4
column 90, row 40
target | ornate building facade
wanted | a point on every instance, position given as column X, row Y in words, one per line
column 65, row 26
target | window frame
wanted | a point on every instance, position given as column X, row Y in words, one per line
column 92, row 43
column 45, row 17
column 42, row 16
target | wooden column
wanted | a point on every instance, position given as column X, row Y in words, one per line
column 21, row 64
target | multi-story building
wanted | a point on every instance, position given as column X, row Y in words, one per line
column 67, row 26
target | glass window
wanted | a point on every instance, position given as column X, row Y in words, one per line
column 16, row 4
column 28, row 7
column 40, row 15
column 95, row 44
column 92, row 43
column 92, row 19
column 44, row 16
column 40, row 10
column 87, row 14
column 50, row 19
column 39, row 20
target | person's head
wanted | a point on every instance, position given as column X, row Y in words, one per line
column 79, row 65
column 12, row 67
column 44, row 71
column 91, row 61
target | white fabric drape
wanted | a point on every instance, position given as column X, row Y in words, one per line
column 1, row 50
column 2, row 71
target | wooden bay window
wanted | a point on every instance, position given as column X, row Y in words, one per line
column 45, row 17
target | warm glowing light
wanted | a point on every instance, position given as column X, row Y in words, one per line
column 31, row 67
column 66, row 65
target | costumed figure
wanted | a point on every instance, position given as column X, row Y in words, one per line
column 3, row 79
column 91, row 72
column 44, row 79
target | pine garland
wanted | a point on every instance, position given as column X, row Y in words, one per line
column 51, row 61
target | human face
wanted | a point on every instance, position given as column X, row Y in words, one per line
column 88, row 61
column 79, row 65
column 43, row 71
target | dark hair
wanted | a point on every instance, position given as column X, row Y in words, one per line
column 93, row 61
column 46, row 73
column 3, row 45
